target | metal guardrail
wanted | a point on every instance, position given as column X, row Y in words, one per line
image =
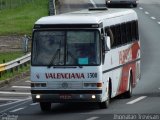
column 15, row 63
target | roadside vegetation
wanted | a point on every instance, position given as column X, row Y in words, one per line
column 9, row 56
column 17, row 17
column 20, row 20
column 15, row 72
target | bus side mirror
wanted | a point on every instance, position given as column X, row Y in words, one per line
column 106, row 46
column 107, row 43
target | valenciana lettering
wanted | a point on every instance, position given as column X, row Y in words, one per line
column 65, row 75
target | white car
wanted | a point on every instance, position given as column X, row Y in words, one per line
column 132, row 3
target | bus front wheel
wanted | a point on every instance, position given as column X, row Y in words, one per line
column 45, row 106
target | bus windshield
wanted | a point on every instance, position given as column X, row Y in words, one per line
column 66, row 47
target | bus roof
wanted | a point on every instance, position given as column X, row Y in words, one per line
column 86, row 16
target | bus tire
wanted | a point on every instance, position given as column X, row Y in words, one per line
column 134, row 5
column 128, row 94
column 105, row 104
column 45, row 106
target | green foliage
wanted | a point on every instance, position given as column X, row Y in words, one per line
column 9, row 56
column 5, row 4
column 15, row 72
column 20, row 20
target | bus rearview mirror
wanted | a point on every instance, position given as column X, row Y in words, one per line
column 107, row 43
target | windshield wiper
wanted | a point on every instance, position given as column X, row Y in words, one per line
column 53, row 58
column 72, row 56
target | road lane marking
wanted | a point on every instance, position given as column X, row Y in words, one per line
column 14, row 93
column 159, row 24
column 94, row 4
column 92, row 118
column 22, row 87
column 28, row 81
column 15, row 102
column 159, row 88
column 137, row 100
column 22, row 102
column 147, row 13
column 9, row 99
column 18, row 109
column 34, row 104
column 153, row 18
column 140, row 8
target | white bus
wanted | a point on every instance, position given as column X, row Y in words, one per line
column 86, row 56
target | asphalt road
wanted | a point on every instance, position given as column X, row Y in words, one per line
column 146, row 98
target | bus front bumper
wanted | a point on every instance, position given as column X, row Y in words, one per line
column 56, row 96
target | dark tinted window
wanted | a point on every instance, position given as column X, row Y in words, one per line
column 123, row 33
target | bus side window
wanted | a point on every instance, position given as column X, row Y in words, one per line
column 134, row 30
column 123, row 33
column 137, row 31
column 118, row 35
column 129, row 34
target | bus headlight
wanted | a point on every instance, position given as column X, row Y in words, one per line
column 38, row 96
column 93, row 97
column 109, row 1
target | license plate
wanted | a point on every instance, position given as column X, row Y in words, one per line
column 65, row 97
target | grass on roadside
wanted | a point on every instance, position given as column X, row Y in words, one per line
column 9, row 56
column 20, row 20
column 12, row 74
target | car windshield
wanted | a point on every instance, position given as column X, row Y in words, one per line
column 69, row 47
